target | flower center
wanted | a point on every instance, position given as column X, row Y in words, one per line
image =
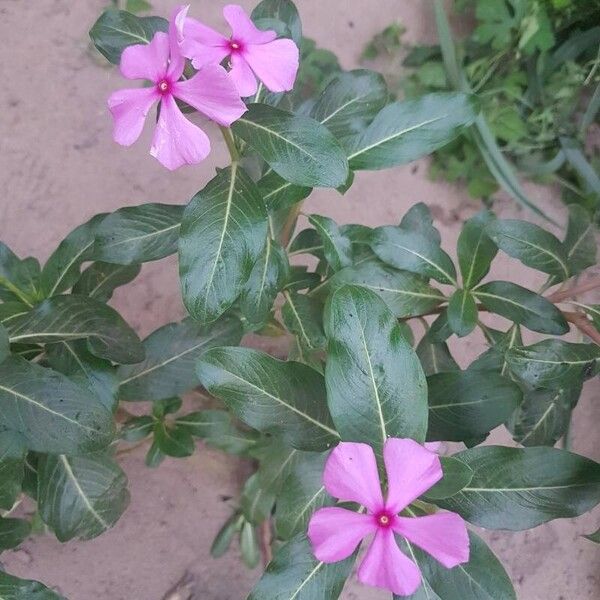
column 235, row 46
column 384, row 519
column 163, row 86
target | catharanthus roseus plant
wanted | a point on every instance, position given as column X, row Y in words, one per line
column 343, row 429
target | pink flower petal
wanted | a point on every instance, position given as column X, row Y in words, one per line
column 351, row 475
column 411, row 470
column 335, row 532
column 146, row 61
column 212, row 92
column 275, row 63
column 384, row 566
column 129, row 109
column 443, row 535
column 177, row 141
column 242, row 75
column 201, row 44
column 242, row 27
column 177, row 60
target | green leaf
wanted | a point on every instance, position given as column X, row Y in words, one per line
column 593, row 537
column 13, row 588
column 256, row 501
column 117, row 29
column 137, row 234
column 279, row 194
column 544, row 416
column 520, row 488
column 267, row 278
column 456, row 476
column 171, row 354
column 435, row 357
column 405, row 131
column 68, row 318
column 350, row 102
column 52, row 413
column 467, row 404
column 205, row 423
column 224, row 537
column 166, row 406
column 522, row 306
column 295, row 574
column 301, row 494
column 283, row 10
column 336, row 246
column 462, row 313
column 4, row 343
column 96, row 374
column 553, row 364
column 100, row 279
column 482, row 578
column 137, row 429
column 308, row 241
column 413, row 251
column 475, row 249
column 303, row 316
column 223, row 233
column 81, row 497
column 173, row 440
column 20, row 278
column 12, row 460
column 270, row 395
column 406, row 294
column 580, row 241
column 61, row 270
column 249, row 546
column 298, row 148
column 13, row 532
column 533, row 246
column 375, row 385
column 154, row 456
column 575, row 156
column 418, row 218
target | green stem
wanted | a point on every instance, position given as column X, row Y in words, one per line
column 230, row 142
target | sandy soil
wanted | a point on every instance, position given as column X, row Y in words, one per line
column 59, row 166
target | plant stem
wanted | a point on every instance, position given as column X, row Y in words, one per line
column 230, row 142
column 265, row 542
column 574, row 291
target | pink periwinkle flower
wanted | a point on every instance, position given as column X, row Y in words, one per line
column 351, row 476
column 252, row 52
column 176, row 140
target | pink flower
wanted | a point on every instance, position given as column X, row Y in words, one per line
column 351, row 475
column 253, row 53
column 176, row 140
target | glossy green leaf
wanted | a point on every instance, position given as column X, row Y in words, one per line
column 81, row 497
column 223, row 233
column 405, row 131
column 117, row 29
column 173, row 440
column 308, row 241
column 283, row 10
column 544, row 416
column 73, row 359
column 61, row 270
column 580, row 241
column 553, row 364
column 52, row 413
column 406, row 294
column 267, row 278
column 224, row 537
column 336, row 246
column 137, row 429
column 68, row 318
column 350, row 102
column 522, row 306
column 19, row 278
column 298, row 148
column 435, row 357
column 418, row 218
column 303, row 316
column 13, row 588
column 295, row 574
column 475, row 249
column 12, row 460
column 13, row 532
column 279, row 194
column 375, row 385
column 533, row 246
column 256, row 501
column 520, row 488
column 467, row 404
column 100, row 279
column 270, row 395
column 171, row 354
column 482, row 578
column 166, row 406
column 208, row 423
column 137, row 234
column 462, row 313
column 4, row 343
column 301, row 494
column 412, row 251
column 456, row 475
column 154, row 457
column 249, row 546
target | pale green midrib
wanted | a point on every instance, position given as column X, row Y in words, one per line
column 308, row 578
column 526, row 489
column 68, row 266
column 107, row 278
column 505, row 299
column 427, row 260
column 265, row 269
column 402, row 292
column 128, row 34
column 307, row 506
column 342, row 107
column 467, row 279
column 539, row 421
column 288, row 297
column 396, row 135
column 81, row 493
column 141, row 237
column 579, row 240
column 558, row 362
column 438, row 406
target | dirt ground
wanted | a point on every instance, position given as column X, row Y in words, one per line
column 59, row 166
